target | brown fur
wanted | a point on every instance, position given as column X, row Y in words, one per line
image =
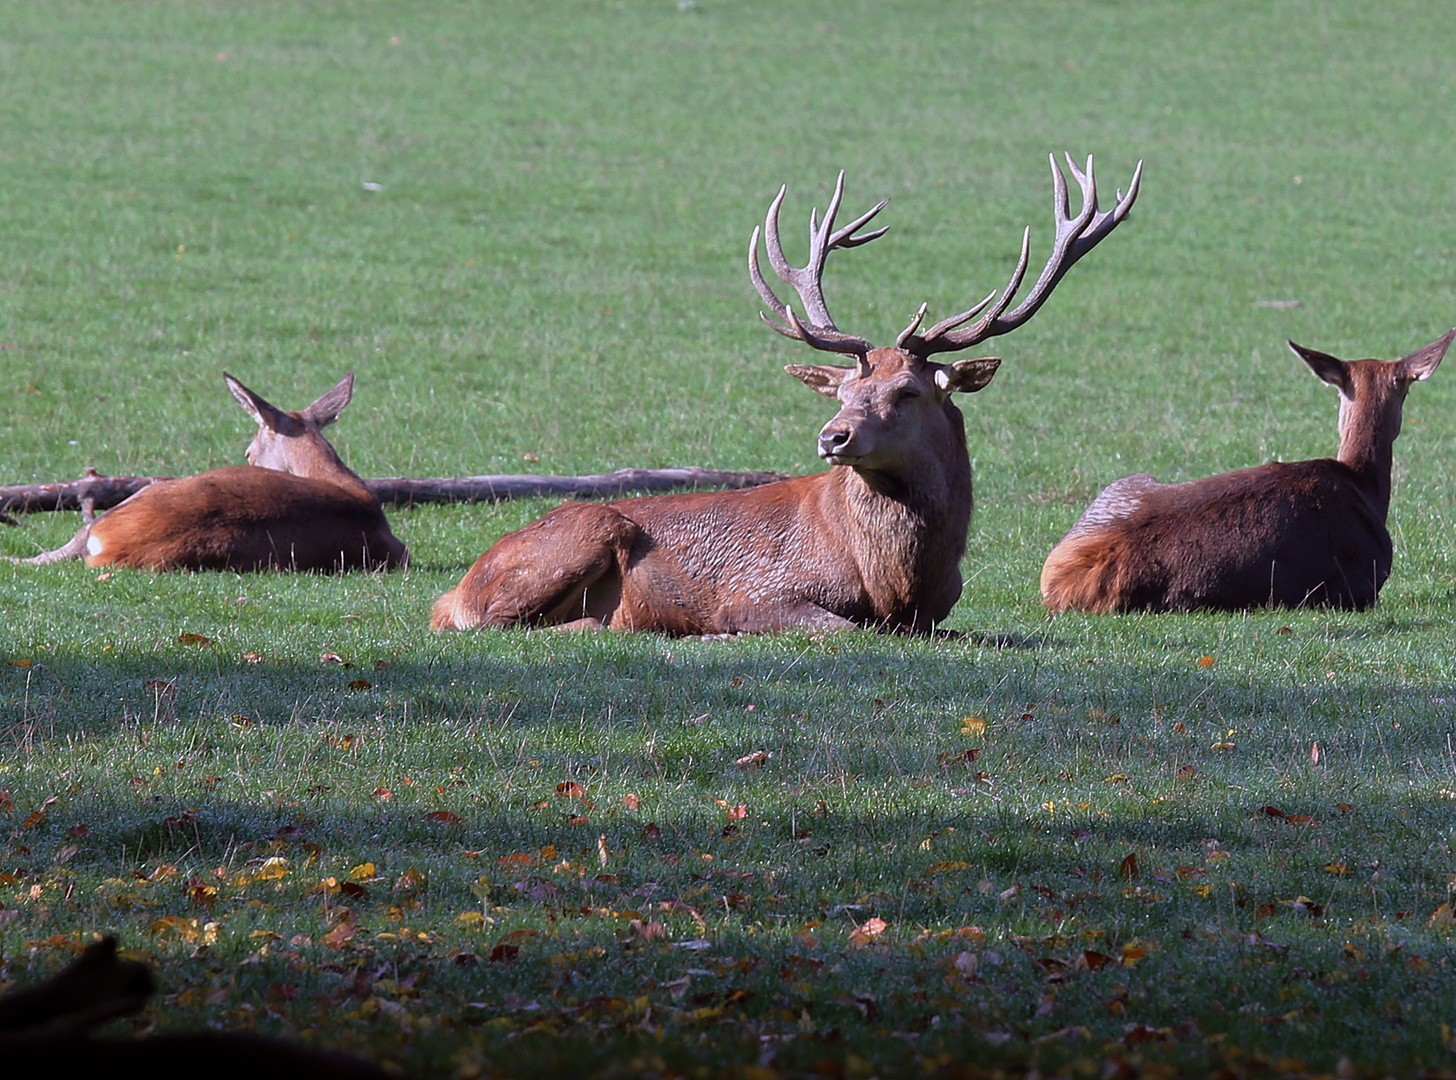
column 876, row 541
column 296, row 507
column 1282, row 534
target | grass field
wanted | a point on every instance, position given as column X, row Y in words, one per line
column 1095, row 847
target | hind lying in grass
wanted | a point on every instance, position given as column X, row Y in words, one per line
column 295, row 506
column 1285, row 534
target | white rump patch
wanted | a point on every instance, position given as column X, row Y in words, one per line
column 93, row 545
column 1119, row 499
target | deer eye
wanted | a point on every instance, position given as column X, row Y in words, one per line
column 906, row 393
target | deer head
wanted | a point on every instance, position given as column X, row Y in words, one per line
column 1372, row 392
column 894, row 398
column 293, row 442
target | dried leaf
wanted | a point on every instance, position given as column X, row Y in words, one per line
column 342, row 933
column 444, row 817
column 360, row 684
column 1127, row 870
column 755, row 760
column 569, row 789
column 649, row 930
column 973, row 726
column 867, row 932
column 1205, row 662
column 273, row 869
column 737, row 813
column 194, row 639
column 631, row 801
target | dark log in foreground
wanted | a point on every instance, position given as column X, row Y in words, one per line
column 105, row 492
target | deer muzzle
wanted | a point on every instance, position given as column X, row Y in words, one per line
column 835, row 440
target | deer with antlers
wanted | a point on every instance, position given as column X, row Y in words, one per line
column 1285, row 534
column 874, row 542
column 295, row 506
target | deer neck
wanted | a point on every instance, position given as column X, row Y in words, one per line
column 919, row 512
column 1367, row 447
column 317, row 460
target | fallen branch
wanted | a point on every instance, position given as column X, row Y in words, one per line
column 104, row 492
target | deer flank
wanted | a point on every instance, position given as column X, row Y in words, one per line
column 295, row 506
column 874, row 542
column 1283, row 534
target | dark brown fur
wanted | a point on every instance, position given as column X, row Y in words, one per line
column 46, row 1031
column 1282, row 534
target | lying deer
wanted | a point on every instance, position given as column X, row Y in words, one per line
column 1282, row 534
column 875, row 541
column 46, row 1031
column 295, row 506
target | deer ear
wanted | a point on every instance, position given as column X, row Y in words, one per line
column 1329, row 368
column 263, row 414
column 1421, row 363
column 326, row 409
column 821, row 377
column 967, row 376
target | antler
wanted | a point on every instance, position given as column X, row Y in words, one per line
column 806, row 280
column 1075, row 237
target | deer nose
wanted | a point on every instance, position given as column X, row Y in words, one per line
column 832, row 441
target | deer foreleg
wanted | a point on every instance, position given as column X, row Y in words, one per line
column 73, row 548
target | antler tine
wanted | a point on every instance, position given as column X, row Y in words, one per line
column 820, row 332
column 756, row 276
column 829, row 342
column 915, row 321
column 1075, row 236
column 976, row 333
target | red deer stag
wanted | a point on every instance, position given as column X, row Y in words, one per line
column 295, row 506
column 876, row 541
column 1284, row 534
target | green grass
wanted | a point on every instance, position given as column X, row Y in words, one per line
column 553, row 269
